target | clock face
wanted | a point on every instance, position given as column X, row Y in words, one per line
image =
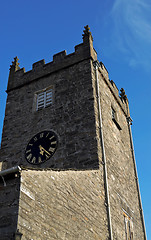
column 41, row 147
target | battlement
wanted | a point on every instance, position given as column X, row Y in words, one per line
column 83, row 51
column 19, row 77
column 121, row 98
column 115, row 87
column 38, row 65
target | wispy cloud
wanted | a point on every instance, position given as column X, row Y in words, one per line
column 132, row 30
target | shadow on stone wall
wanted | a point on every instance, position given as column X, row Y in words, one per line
column 9, row 205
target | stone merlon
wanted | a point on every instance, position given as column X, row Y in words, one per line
column 19, row 77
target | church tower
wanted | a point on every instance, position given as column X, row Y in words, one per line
column 68, row 168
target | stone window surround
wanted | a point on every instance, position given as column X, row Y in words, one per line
column 128, row 225
column 115, row 117
column 46, row 100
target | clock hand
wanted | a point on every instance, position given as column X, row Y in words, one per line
column 42, row 150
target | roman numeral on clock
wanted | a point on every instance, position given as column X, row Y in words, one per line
column 33, row 160
column 51, row 149
column 29, row 156
column 51, row 137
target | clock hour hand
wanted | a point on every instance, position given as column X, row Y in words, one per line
column 42, row 150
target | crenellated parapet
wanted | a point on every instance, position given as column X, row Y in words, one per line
column 18, row 77
column 104, row 70
column 121, row 98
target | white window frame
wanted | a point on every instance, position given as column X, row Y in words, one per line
column 44, row 98
column 128, row 226
column 113, row 113
column 115, row 118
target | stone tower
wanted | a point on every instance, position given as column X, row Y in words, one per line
column 67, row 161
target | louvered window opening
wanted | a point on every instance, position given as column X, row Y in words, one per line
column 128, row 227
column 113, row 114
column 44, row 99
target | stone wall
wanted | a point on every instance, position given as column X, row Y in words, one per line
column 71, row 116
column 120, row 167
column 62, row 205
column 9, row 202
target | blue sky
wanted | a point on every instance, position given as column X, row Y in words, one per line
column 121, row 30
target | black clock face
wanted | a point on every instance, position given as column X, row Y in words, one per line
column 41, row 147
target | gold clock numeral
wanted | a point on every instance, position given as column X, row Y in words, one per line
column 41, row 135
column 51, row 149
column 29, row 156
column 51, row 137
column 54, row 142
column 33, row 160
column 47, row 135
column 28, row 151
column 47, row 156
column 39, row 159
column 30, row 144
column 35, row 139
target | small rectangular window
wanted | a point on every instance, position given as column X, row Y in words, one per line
column 44, row 99
column 115, row 118
column 113, row 114
column 128, row 227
